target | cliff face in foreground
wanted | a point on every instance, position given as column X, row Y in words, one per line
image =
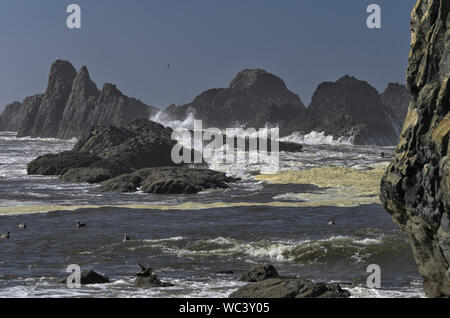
column 416, row 186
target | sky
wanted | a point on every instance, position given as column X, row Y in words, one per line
column 206, row 42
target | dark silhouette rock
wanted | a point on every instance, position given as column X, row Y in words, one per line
column 90, row 277
column 416, row 186
column 352, row 108
column 168, row 180
column 254, row 98
column 259, row 273
column 48, row 117
column 290, row 288
column 88, row 175
column 397, row 98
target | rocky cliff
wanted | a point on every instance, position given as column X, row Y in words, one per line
column 416, row 186
column 396, row 97
column 254, row 98
column 352, row 108
column 71, row 106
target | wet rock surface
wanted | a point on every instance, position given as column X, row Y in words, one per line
column 416, row 186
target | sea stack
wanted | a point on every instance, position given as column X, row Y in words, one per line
column 416, row 186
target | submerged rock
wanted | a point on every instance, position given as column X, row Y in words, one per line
column 57, row 164
column 90, row 277
column 416, row 186
column 259, row 273
column 290, row 288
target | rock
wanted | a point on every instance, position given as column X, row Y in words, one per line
column 416, row 188
column 20, row 116
column 353, row 109
column 259, row 273
column 81, row 103
column 71, row 106
column 254, row 98
column 89, row 277
column 290, row 288
column 89, row 175
column 396, row 97
column 146, row 279
column 48, row 117
column 168, row 180
column 58, row 164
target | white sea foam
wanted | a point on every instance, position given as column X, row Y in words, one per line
column 317, row 138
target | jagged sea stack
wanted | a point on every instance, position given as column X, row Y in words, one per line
column 416, row 186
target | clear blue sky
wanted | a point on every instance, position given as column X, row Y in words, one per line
column 206, row 42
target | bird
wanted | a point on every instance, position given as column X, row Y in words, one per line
column 168, row 65
column 145, row 271
column 79, row 224
column 4, row 236
column 126, row 238
column 22, row 226
column 331, row 222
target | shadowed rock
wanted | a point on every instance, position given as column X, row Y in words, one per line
column 416, row 186
column 259, row 273
column 146, row 279
column 290, row 288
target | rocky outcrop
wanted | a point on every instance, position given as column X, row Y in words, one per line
column 290, row 288
column 259, row 273
column 416, row 186
column 20, row 116
column 352, row 108
column 396, row 97
column 254, row 98
column 71, row 106
column 168, row 180
column 90, row 277
column 48, row 117
column 126, row 159
column 266, row 283
column 76, row 118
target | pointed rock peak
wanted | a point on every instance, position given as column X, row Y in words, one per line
column 63, row 72
column 110, row 89
column 83, row 80
column 391, row 87
column 255, row 77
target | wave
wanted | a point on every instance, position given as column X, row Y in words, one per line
column 165, row 120
column 308, row 251
column 317, row 138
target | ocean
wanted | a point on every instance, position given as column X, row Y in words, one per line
column 277, row 215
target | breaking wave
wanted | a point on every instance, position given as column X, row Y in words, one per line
column 317, row 138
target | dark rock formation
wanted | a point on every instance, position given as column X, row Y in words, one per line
column 168, row 180
column 57, row 164
column 20, row 116
column 254, row 99
column 71, row 106
column 128, row 158
column 76, row 118
column 90, row 277
column 266, row 283
column 51, row 110
column 290, row 288
column 416, row 186
column 147, row 279
column 107, row 152
column 352, row 108
column 396, row 97
column 259, row 273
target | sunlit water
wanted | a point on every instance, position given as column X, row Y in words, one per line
column 190, row 238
